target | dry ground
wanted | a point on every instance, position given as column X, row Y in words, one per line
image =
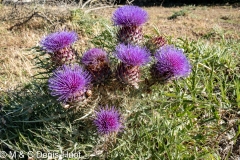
column 16, row 65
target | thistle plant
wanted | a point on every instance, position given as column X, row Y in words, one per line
column 70, row 84
column 171, row 63
column 97, row 63
column 130, row 20
column 59, row 46
column 155, row 43
column 108, row 120
column 132, row 58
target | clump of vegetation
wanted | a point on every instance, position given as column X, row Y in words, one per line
column 177, row 14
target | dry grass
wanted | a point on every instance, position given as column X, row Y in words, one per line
column 198, row 21
column 16, row 62
column 16, row 65
column 16, row 58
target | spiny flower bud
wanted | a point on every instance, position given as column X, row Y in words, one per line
column 59, row 46
column 97, row 63
column 171, row 63
column 69, row 84
column 130, row 20
column 108, row 120
column 131, row 57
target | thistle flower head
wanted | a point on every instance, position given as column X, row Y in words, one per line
column 129, row 16
column 58, row 40
column 94, row 56
column 108, row 120
column 132, row 55
column 68, row 82
column 172, row 61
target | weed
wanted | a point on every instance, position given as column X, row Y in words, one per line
column 177, row 14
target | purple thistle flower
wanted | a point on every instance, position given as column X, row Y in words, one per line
column 69, row 83
column 172, row 62
column 58, row 40
column 108, row 120
column 97, row 63
column 132, row 55
column 129, row 16
column 94, row 56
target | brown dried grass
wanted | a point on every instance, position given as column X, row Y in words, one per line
column 199, row 21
